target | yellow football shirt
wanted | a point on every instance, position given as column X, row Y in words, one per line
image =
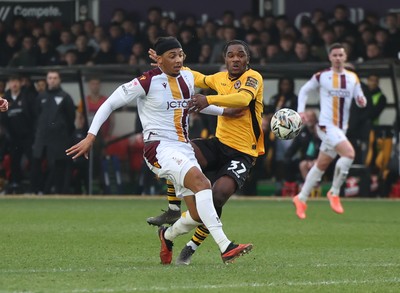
column 244, row 133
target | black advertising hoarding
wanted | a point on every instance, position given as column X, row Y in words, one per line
column 63, row 11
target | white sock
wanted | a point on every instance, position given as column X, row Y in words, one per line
column 174, row 207
column 184, row 225
column 312, row 179
column 192, row 245
column 342, row 168
column 209, row 216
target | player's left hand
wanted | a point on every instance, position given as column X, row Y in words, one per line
column 361, row 102
column 3, row 105
column 197, row 103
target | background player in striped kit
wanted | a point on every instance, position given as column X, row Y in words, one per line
column 337, row 87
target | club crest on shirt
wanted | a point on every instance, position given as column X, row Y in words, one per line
column 237, row 84
column 251, row 82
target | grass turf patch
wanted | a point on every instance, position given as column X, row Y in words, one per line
column 105, row 245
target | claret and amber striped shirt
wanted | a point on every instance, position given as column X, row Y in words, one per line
column 336, row 91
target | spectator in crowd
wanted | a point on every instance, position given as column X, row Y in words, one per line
column 128, row 38
column 228, row 19
column 76, row 29
column 80, row 166
column 285, row 98
column 378, row 98
column 51, row 32
column 154, row 15
column 286, row 52
column 317, row 15
column 302, row 52
column 66, row 43
column 341, row 15
column 98, row 36
column 26, row 57
column 8, row 49
column 28, row 86
column 366, row 37
column 40, row 85
column 189, row 44
column 363, row 121
column 308, row 34
column 19, row 122
column 172, row 29
column 46, row 55
column 118, row 16
column 37, row 32
column 301, row 154
column 373, row 52
column 271, row 51
column 83, row 50
column 228, row 34
column 382, row 39
column 55, row 126
column 281, row 23
column 328, row 37
column 105, row 55
column 210, row 28
column 205, row 54
column 18, row 26
column 93, row 100
column 152, row 33
column 70, row 58
column 139, row 53
column 88, row 30
column 393, row 28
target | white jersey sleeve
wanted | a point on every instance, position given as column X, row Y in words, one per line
column 122, row 96
column 213, row 110
column 304, row 92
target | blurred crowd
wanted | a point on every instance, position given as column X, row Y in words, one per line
column 272, row 39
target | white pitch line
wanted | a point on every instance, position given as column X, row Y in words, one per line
column 127, row 269
column 241, row 285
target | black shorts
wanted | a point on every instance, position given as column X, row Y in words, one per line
column 224, row 160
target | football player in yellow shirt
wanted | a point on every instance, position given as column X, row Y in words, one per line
column 238, row 140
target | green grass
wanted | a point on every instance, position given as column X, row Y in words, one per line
column 105, row 245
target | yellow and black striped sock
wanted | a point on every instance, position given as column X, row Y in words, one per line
column 200, row 235
column 174, row 202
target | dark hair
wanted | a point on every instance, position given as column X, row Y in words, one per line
column 335, row 46
column 237, row 42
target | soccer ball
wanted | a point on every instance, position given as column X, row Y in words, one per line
column 286, row 123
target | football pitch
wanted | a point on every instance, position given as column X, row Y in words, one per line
column 105, row 245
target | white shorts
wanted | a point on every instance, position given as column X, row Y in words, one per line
column 330, row 136
column 171, row 160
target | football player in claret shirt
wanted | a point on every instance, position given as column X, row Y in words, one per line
column 238, row 140
column 337, row 88
column 162, row 96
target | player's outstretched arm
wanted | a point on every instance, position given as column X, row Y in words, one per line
column 82, row 147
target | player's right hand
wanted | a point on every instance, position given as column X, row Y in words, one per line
column 82, row 147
